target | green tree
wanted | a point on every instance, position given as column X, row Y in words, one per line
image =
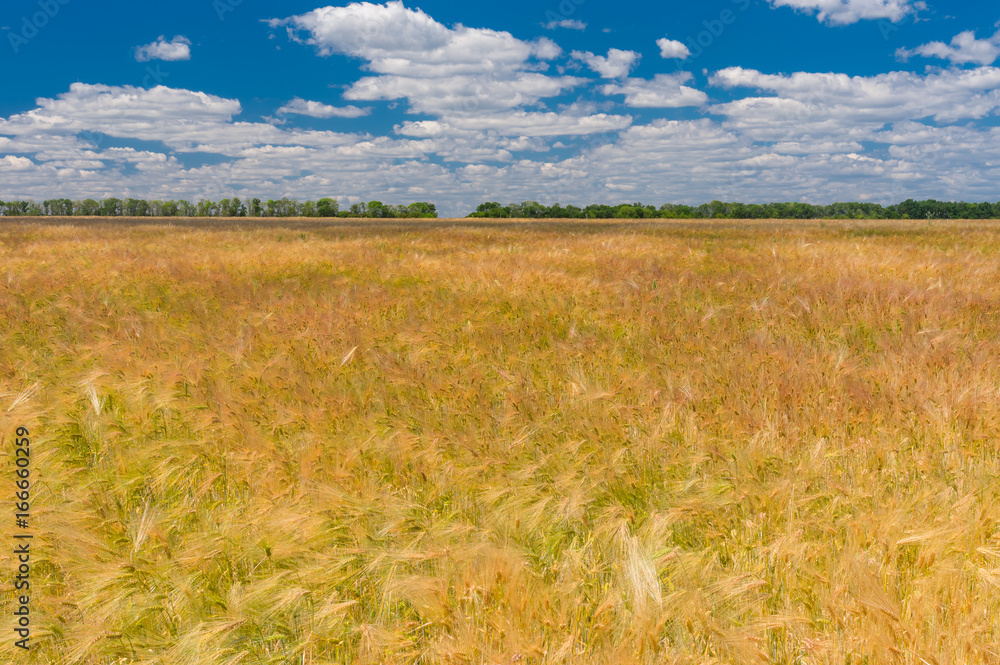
column 534, row 210
column 135, row 208
column 490, row 209
column 598, row 211
column 207, row 208
column 627, row 212
column 327, row 207
column 231, row 208
column 421, row 209
column 57, row 207
column 88, row 207
column 111, row 207
column 17, row 208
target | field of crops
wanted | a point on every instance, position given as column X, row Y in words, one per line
column 504, row 442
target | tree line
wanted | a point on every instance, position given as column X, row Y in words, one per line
column 234, row 207
column 329, row 207
column 909, row 209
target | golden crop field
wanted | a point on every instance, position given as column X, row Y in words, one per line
column 505, row 442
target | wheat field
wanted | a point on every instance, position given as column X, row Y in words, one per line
column 505, row 442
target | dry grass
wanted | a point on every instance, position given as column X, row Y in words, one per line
column 506, row 442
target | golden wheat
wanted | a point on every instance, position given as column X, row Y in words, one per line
column 503, row 442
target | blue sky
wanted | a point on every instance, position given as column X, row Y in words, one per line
column 569, row 101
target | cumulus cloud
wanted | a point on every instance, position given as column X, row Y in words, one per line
column 179, row 48
column 671, row 48
column 312, row 109
column 854, row 106
column 569, row 24
column 14, row 163
column 964, row 48
column 521, row 123
column 617, row 64
column 183, row 120
column 461, row 94
column 663, row 91
column 843, row 12
column 437, row 69
column 46, row 152
column 127, row 109
column 406, row 42
column 65, row 136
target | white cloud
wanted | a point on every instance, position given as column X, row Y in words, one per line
column 312, row 109
column 617, row 64
column 520, row 123
column 14, row 163
column 569, row 24
column 671, row 48
column 829, row 104
column 461, row 94
column 126, row 108
column 406, row 42
column 816, row 147
column 663, row 91
column 439, row 70
column 179, row 48
column 689, row 161
column 964, row 48
column 843, row 12
column 181, row 119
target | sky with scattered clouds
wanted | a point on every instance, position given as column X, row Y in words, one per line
column 568, row 101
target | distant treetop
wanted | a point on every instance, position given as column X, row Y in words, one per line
column 234, row 207
column 909, row 209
